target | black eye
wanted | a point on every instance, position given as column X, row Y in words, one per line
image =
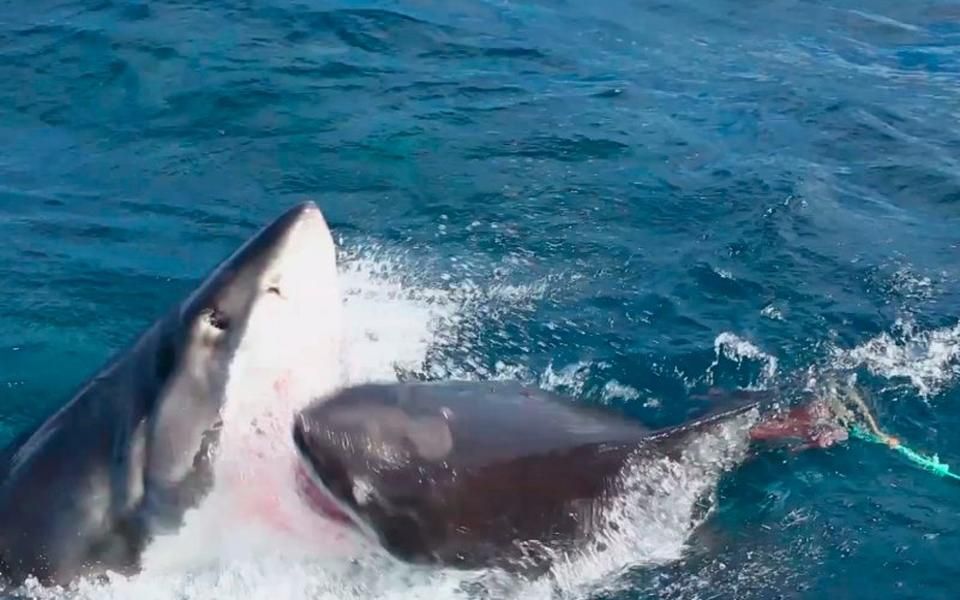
column 217, row 319
column 273, row 290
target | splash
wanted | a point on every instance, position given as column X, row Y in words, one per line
column 568, row 380
column 666, row 500
column 772, row 312
column 614, row 390
column 730, row 347
column 390, row 325
column 395, row 323
column 928, row 359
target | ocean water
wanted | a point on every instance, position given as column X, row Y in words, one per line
column 624, row 201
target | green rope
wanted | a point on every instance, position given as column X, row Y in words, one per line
column 931, row 464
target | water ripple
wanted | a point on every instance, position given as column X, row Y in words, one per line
column 619, row 199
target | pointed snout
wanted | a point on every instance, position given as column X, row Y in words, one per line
column 296, row 246
column 267, row 243
column 305, row 210
column 274, row 233
column 300, row 229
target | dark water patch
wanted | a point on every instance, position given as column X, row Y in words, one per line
column 185, row 213
column 462, row 51
column 375, row 31
column 329, row 70
column 899, row 183
column 135, row 11
column 580, row 148
column 79, row 231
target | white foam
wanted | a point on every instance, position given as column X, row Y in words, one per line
column 392, row 321
column 734, row 348
column 911, row 285
column 666, row 500
column 614, row 390
column 390, row 325
column 772, row 312
column 928, row 359
column 568, row 380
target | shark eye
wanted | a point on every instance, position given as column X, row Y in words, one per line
column 217, row 319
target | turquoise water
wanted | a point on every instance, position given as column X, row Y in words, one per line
column 625, row 201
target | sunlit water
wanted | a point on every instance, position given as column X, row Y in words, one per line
column 624, row 202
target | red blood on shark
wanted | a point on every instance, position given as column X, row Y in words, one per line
column 260, row 480
column 811, row 423
column 319, row 499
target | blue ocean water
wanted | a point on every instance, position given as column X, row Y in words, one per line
column 632, row 201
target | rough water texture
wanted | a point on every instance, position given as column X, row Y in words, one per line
column 623, row 201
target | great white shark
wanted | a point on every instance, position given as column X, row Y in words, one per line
column 498, row 474
column 143, row 440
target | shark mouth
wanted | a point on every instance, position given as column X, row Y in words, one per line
column 317, row 496
column 311, row 487
column 322, row 501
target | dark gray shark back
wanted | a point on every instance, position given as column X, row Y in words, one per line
column 498, row 420
column 67, row 484
column 479, row 474
column 84, row 490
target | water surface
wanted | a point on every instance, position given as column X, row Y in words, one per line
column 625, row 201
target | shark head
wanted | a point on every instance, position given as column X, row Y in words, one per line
column 187, row 406
column 259, row 336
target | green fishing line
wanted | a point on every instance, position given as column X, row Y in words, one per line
column 928, row 463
